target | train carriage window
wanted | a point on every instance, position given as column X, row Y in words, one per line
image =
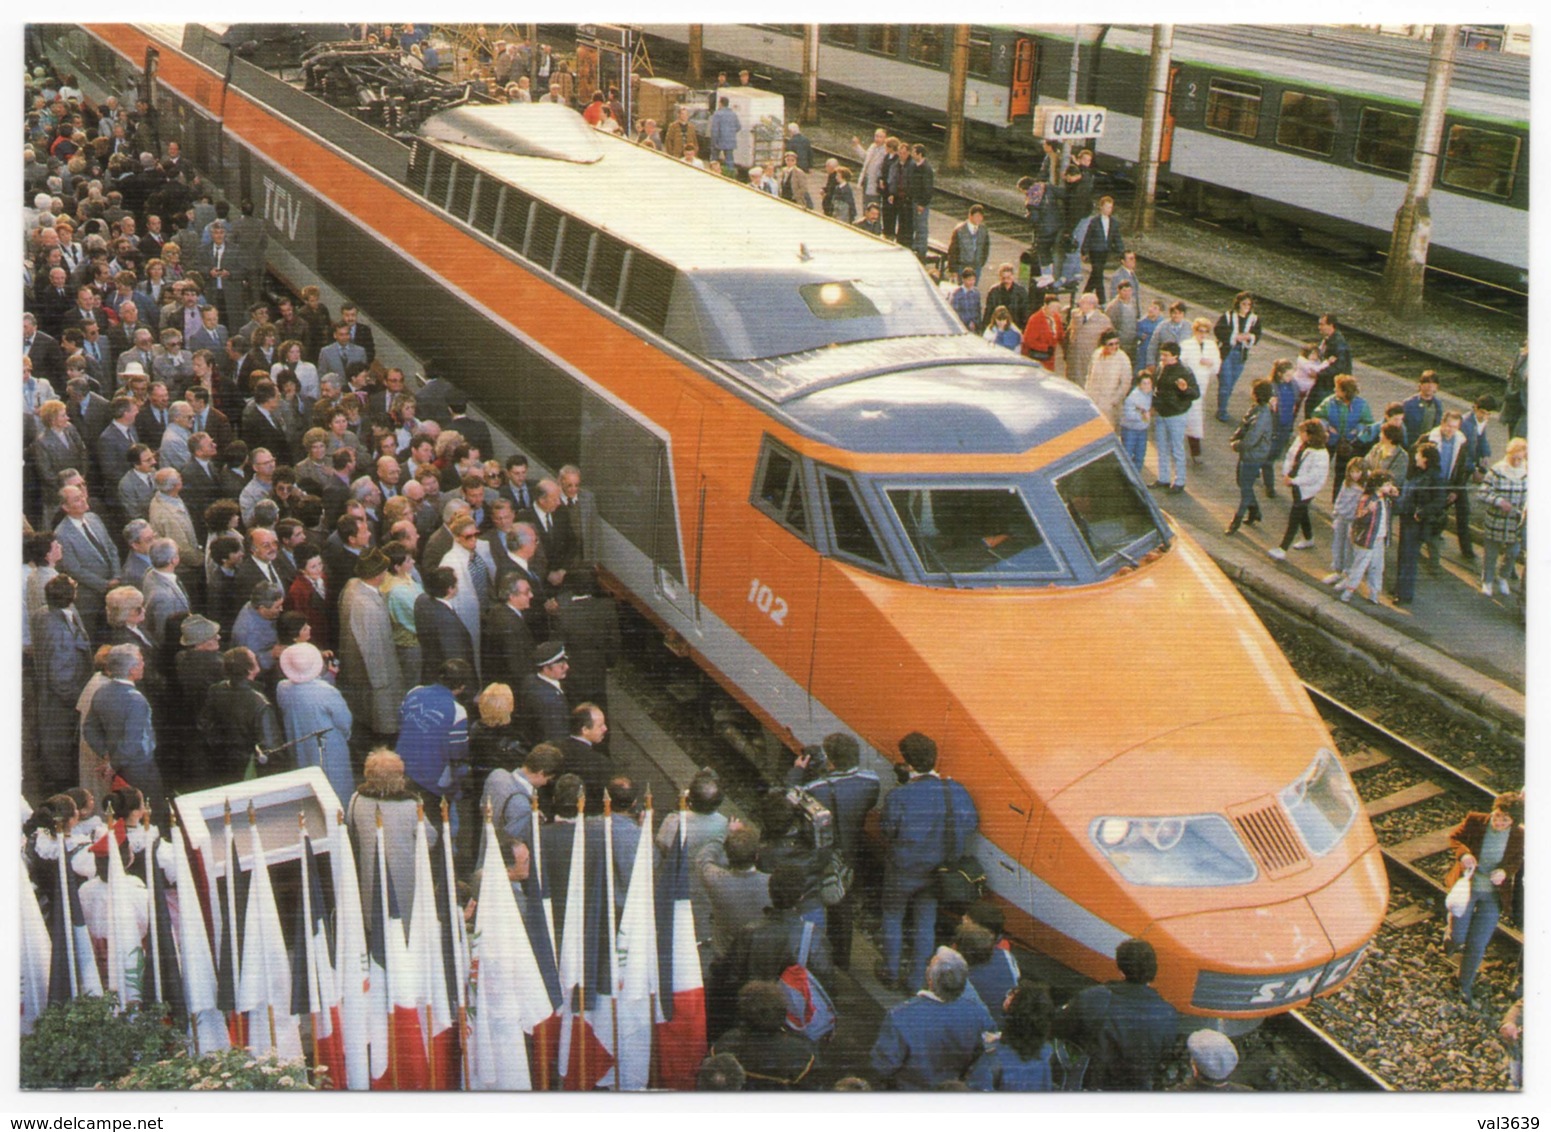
column 842, row 35
column 514, row 220
column 972, row 530
column 574, row 252
column 980, row 55
column 925, row 44
column 1308, row 122
column 1233, row 107
column 487, row 205
column 462, row 192
column 608, row 260
column 881, row 39
column 1481, row 161
column 1106, row 507
column 852, row 536
column 546, row 233
column 648, row 291
column 1385, row 139
column 420, row 158
column 441, row 177
column 778, row 489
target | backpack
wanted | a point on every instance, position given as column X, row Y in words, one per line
column 809, row 1009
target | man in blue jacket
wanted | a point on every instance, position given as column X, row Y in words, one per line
column 919, row 835
column 849, row 793
column 724, row 133
column 935, row 1036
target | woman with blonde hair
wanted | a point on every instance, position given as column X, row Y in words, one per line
column 58, row 447
column 495, row 742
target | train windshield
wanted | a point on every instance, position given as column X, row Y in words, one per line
column 973, row 530
column 1108, row 509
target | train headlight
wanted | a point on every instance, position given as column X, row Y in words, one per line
column 1321, row 802
column 1183, row 852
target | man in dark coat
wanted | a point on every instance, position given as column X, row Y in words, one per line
column 442, row 633
column 849, row 793
column 1011, row 294
column 588, row 625
column 118, row 726
column 1335, row 358
column 1125, row 1027
column 542, row 712
column 584, row 756
column 61, row 665
column 505, row 642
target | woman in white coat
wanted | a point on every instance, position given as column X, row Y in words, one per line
column 1304, row 470
column 1199, row 353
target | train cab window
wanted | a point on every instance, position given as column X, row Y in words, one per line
column 840, row 299
column 980, row 56
column 1308, row 122
column 514, row 220
column 778, row 489
column 853, row 538
column 1481, row 161
column 1107, row 508
column 574, row 252
column 925, row 44
column 972, row 530
column 1233, row 107
column 546, row 234
column 1385, row 139
column 608, row 260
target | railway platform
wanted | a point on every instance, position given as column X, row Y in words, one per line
column 1452, row 636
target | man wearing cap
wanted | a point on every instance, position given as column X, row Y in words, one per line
column 369, row 675
column 542, row 710
column 1213, row 1059
column 198, row 665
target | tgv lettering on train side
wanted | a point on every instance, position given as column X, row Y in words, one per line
column 1283, row 990
column 282, row 207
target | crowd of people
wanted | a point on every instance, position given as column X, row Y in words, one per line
column 250, row 546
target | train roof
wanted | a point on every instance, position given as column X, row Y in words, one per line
column 1336, row 59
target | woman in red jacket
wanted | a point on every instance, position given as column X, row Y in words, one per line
column 1489, row 850
column 1044, row 333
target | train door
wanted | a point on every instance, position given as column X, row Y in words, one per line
column 1167, row 144
column 780, row 607
column 1020, row 101
column 683, row 589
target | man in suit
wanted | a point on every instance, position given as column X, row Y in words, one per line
column 553, row 534
column 53, row 301
column 263, row 563
column 476, row 433
column 579, row 509
column 165, row 596
column 210, row 335
column 261, row 423
column 174, row 451
column 442, row 633
column 542, row 711
column 115, row 441
column 585, row 756
column 970, row 244
column 118, row 725
column 349, row 541
column 48, row 361
column 61, row 665
column 340, row 353
column 137, row 486
column 138, row 537
column 201, row 479
column 516, row 486
column 527, row 557
column 360, row 334
column 90, row 412
column 505, row 640
column 588, row 625
column 89, row 555
column 220, row 264
column 432, row 400
column 207, row 418
column 88, row 308
column 169, row 515
column 151, row 424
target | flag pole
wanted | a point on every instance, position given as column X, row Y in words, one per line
column 454, row 911
column 112, row 847
column 613, row 938
column 387, row 986
column 579, row 1007
column 231, row 906
column 68, row 919
column 424, row 1009
column 536, row 866
column 193, row 1024
column 651, row 996
column 253, row 834
column 150, row 892
column 314, row 992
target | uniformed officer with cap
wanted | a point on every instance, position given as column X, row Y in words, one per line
column 543, row 712
column 1213, row 1059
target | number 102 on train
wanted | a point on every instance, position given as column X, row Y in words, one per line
column 1069, row 123
column 764, row 599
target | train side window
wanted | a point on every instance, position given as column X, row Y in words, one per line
column 1481, row 161
column 925, row 44
column 608, row 260
column 441, row 178
column 853, row 537
column 420, row 158
column 546, row 233
column 778, row 489
column 1233, row 107
column 1308, row 122
column 463, row 192
column 648, row 291
column 980, row 56
column 574, row 252
column 841, row 35
column 1385, row 139
column 514, row 220
column 487, row 205
column 881, row 39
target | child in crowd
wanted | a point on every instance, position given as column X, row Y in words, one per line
column 1306, row 369
column 1341, row 549
column 1368, row 534
column 1135, row 416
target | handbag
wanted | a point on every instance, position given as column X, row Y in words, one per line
column 836, row 880
column 961, row 880
column 1458, row 898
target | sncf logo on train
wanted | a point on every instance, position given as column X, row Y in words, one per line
column 1224, row 993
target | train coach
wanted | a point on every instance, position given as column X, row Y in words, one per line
column 1290, row 130
column 852, row 513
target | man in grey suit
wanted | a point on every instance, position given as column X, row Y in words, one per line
column 136, row 487
column 339, row 353
column 118, row 725
column 165, row 596
column 115, row 441
column 211, row 335
column 61, row 665
column 138, row 536
column 579, row 509
column 89, row 555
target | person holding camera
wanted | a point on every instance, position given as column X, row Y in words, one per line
column 791, row 837
column 849, row 793
column 927, row 821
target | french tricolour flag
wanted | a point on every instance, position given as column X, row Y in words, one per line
column 636, row 972
column 681, row 1039
column 586, row 968
column 352, row 965
column 264, row 988
column 198, row 966
column 428, row 967
column 314, row 983
column 398, row 1048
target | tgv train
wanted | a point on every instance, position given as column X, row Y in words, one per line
column 854, row 514
column 1286, row 127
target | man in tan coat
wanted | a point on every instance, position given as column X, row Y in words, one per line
column 369, row 676
column 1109, row 377
column 1082, row 337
